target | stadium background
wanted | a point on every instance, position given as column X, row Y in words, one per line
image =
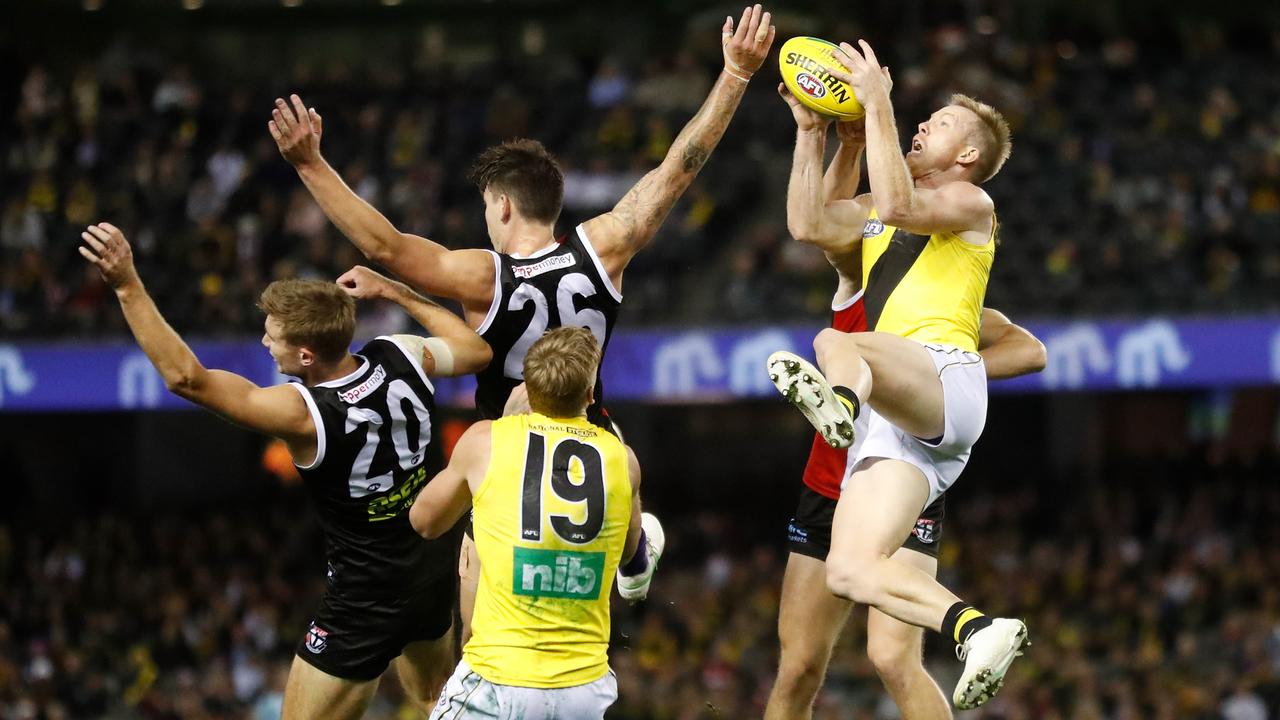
column 158, row 563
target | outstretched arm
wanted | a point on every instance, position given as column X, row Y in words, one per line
column 1007, row 349
column 817, row 214
column 442, row 503
column 453, row 348
column 954, row 207
column 463, row 275
column 278, row 411
column 624, row 231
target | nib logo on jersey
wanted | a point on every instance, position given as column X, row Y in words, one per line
column 317, row 639
column 557, row 573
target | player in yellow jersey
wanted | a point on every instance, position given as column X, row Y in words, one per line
column 811, row 619
column 556, row 510
column 914, row 383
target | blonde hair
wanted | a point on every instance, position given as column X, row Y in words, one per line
column 994, row 140
column 314, row 314
column 559, row 371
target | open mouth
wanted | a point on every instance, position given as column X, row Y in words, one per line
column 916, row 145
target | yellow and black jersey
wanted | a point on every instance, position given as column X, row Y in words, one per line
column 551, row 519
column 926, row 288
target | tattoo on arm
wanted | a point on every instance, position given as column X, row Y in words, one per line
column 693, row 157
column 645, row 205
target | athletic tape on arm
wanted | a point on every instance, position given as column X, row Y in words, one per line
column 438, row 348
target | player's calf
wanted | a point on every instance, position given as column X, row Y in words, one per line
column 840, row 358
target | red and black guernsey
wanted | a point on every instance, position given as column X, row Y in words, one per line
column 563, row 285
column 825, row 470
column 375, row 449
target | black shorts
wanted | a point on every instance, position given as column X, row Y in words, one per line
column 358, row 639
column 809, row 532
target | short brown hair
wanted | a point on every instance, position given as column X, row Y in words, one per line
column 524, row 170
column 994, row 140
column 314, row 314
column 559, row 370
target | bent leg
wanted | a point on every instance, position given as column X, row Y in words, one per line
column 810, row 619
column 424, row 667
column 313, row 694
column 896, row 650
column 877, row 509
column 468, row 583
column 895, row 375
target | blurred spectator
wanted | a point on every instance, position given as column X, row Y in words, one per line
column 1145, row 176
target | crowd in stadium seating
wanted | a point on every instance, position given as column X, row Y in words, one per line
column 1151, row 594
column 1144, row 177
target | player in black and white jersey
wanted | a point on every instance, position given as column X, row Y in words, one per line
column 533, row 281
column 361, row 429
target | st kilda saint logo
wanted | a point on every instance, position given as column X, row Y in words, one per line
column 317, row 639
column 925, row 530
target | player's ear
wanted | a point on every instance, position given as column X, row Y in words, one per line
column 968, row 156
column 306, row 357
column 504, row 207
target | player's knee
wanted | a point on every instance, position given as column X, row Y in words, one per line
column 895, row 656
column 829, row 343
column 852, row 579
column 800, row 676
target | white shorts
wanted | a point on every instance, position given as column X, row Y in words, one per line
column 964, row 402
column 467, row 695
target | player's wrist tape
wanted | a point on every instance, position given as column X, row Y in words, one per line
column 736, row 70
column 439, row 350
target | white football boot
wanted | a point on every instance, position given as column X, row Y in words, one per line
column 987, row 655
column 635, row 588
column 804, row 386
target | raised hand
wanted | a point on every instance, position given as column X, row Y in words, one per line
column 805, row 117
column 106, row 247
column 362, row 283
column 746, row 48
column 296, row 131
column 871, row 83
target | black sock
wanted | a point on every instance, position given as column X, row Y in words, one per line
column 849, row 399
column 961, row 621
column 638, row 562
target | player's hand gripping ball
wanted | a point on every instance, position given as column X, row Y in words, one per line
column 805, row 63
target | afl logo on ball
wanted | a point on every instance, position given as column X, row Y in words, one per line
column 873, row 228
column 812, row 86
column 317, row 639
